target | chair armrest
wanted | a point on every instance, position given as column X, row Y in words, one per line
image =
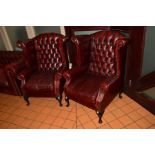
column 15, row 67
column 74, row 72
column 110, row 84
column 25, row 74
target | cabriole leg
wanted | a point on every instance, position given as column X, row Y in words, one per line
column 59, row 98
column 100, row 114
column 26, row 99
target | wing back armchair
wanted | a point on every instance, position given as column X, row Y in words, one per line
column 97, row 78
column 45, row 61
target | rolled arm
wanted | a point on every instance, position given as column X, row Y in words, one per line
column 25, row 74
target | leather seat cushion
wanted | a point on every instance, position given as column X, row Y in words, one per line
column 85, row 88
column 3, row 80
column 41, row 83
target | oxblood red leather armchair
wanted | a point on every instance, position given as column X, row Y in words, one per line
column 97, row 77
column 45, row 61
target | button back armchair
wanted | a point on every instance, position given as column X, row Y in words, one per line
column 97, row 77
column 45, row 62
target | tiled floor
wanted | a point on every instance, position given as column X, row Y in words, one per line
column 44, row 113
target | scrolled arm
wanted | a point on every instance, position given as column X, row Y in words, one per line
column 20, row 44
column 25, row 74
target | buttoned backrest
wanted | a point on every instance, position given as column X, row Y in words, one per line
column 49, row 51
column 104, row 54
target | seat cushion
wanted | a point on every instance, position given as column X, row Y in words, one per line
column 40, row 84
column 84, row 89
column 3, row 80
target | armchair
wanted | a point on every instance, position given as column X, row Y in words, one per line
column 97, row 78
column 45, row 62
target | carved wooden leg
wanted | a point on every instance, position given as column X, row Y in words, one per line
column 59, row 98
column 26, row 99
column 100, row 114
column 67, row 100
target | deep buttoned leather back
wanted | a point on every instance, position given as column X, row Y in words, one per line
column 104, row 55
column 49, row 51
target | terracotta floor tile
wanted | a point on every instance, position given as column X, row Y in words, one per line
column 132, row 126
column 41, row 117
column 54, row 127
column 26, row 123
column 18, row 112
column 112, row 107
column 92, row 114
column 63, row 114
column 68, row 124
column 152, row 127
column 87, row 110
column 109, row 117
column 10, row 109
column 89, row 125
column 80, row 127
column 49, row 119
column 84, row 118
column 134, row 116
column 19, row 121
column 126, row 99
column 116, row 124
column 4, row 125
column 4, row 108
column 143, row 123
column 55, row 112
column 120, row 103
column 127, row 109
column 134, row 105
column 80, row 112
column 125, row 120
column 47, row 110
column 58, row 122
column 105, row 126
column 12, row 118
column 32, row 115
column 4, row 116
column 44, row 126
column 25, row 113
column 12, row 126
column 151, row 118
column 118, row 113
column 71, row 116
column 35, row 125
column 143, row 112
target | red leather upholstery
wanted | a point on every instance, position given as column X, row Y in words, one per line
column 45, row 61
column 10, row 65
column 96, row 82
